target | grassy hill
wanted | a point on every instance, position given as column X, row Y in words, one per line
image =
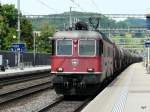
column 60, row 21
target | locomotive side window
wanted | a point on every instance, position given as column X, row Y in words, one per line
column 53, row 47
column 100, row 47
column 87, row 47
column 64, row 47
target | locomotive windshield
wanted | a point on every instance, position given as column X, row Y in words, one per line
column 64, row 47
column 87, row 47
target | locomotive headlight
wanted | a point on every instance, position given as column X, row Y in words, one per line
column 60, row 69
column 90, row 70
column 75, row 62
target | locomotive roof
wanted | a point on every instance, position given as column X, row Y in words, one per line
column 80, row 34
column 77, row 34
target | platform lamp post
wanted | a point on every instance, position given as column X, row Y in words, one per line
column 0, row 40
column 34, row 48
column 14, row 39
column 18, row 31
column 35, row 37
column 147, row 44
column 70, row 18
column 148, row 32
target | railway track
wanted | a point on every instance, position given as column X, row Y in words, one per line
column 15, row 87
column 23, row 78
column 62, row 105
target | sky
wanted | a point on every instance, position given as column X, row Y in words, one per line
column 45, row 7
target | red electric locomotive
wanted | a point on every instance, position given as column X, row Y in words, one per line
column 81, row 60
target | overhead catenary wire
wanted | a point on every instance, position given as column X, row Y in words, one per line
column 78, row 5
column 95, row 5
column 44, row 4
column 25, row 12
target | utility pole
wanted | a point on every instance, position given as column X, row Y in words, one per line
column 18, row 30
column 34, row 48
column 70, row 18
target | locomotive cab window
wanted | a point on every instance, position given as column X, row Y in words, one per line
column 87, row 47
column 64, row 47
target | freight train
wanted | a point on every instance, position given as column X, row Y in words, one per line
column 83, row 60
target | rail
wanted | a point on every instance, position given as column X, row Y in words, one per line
column 15, row 87
column 60, row 105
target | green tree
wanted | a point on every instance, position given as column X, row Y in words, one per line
column 9, row 12
column 26, row 32
column 8, row 40
column 3, row 31
column 42, row 42
column 8, row 26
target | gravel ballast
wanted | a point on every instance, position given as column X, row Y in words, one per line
column 30, row 103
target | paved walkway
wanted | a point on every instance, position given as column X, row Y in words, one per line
column 129, row 92
column 12, row 72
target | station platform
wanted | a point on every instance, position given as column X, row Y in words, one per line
column 28, row 70
column 129, row 92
